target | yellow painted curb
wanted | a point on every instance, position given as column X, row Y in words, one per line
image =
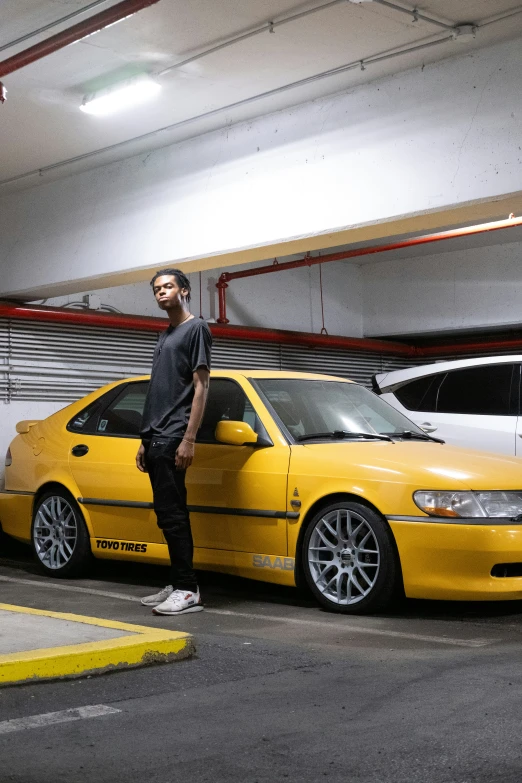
column 144, row 646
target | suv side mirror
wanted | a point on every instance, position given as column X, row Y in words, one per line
column 236, row 433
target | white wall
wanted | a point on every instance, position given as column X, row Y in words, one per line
column 409, row 144
column 285, row 300
column 464, row 289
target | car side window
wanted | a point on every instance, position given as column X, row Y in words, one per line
column 80, row 423
column 122, row 418
column 226, row 402
column 85, row 421
column 478, row 390
column 420, row 394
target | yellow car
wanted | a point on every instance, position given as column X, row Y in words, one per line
column 298, row 478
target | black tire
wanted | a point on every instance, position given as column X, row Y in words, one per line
column 350, row 570
column 59, row 536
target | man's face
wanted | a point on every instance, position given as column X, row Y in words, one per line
column 168, row 293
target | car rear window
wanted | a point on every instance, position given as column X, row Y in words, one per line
column 84, row 421
column 420, row 394
column 122, row 418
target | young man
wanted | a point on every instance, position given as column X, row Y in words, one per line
column 171, row 418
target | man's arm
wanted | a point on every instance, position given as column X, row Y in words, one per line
column 185, row 452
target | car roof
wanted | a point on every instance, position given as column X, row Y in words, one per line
column 260, row 374
column 385, row 380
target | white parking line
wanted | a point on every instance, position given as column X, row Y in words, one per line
column 48, row 718
column 346, row 626
column 69, row 588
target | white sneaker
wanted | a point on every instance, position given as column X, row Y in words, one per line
column 158, row 598
column 180, row 602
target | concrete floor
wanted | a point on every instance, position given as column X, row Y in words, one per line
column 21, row 632
column 279, row 690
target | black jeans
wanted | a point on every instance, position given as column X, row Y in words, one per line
column 170, row 504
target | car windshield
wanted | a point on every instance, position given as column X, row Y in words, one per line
column 333, row 409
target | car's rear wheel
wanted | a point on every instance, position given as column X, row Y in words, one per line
column 59, row 536
column 349, row 559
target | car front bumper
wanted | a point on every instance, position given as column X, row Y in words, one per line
column 454, row 560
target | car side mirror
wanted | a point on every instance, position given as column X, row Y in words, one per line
column 236, row 433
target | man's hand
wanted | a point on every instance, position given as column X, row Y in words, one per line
column 140, row 459
column 184, row 455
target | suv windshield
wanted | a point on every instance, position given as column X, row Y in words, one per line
column 334, row 409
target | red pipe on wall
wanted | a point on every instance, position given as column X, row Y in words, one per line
column 308, row 260
column 73, row 34
column 145, row 323
column 65, row 315
column 311, row 340
column 455, row 349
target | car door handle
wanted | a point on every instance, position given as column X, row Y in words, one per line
column 80, row 450
column 427, row 426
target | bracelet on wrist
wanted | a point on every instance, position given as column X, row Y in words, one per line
column 193, row 442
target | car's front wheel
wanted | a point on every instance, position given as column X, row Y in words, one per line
column 59, row 536
column 349, row 559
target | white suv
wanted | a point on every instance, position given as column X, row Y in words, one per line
column 470, row 402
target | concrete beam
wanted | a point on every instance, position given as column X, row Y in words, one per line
column 415, row 152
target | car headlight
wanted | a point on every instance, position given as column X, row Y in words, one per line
column 469, row 504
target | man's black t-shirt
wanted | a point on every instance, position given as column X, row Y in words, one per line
column 180, row 351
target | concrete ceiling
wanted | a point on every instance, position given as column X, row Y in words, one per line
column 41, row 125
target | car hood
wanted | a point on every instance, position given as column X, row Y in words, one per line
column 425, row 464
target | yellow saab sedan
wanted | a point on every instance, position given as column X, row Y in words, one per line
column 297, row 478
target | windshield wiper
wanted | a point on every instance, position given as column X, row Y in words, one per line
column 342, row 434
column 409, row 435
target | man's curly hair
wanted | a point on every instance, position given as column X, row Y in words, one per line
column 181, row 279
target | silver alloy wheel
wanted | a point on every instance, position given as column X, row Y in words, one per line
column 55, row 532
column 344, row 557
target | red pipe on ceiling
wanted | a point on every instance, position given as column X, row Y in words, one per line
column 145, row 323
column 75, row 33
column 308, row 260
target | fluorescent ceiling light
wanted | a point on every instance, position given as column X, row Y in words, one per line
column 119, row 97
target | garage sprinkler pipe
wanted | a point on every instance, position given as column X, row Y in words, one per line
column 309, row 260
column 75, row 33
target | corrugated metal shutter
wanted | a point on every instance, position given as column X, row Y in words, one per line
column 4, row 359
column 473, row 355
column 355, row 365
column 246, row 354
column 61, row 362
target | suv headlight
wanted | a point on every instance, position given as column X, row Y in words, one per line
column 469, row 504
